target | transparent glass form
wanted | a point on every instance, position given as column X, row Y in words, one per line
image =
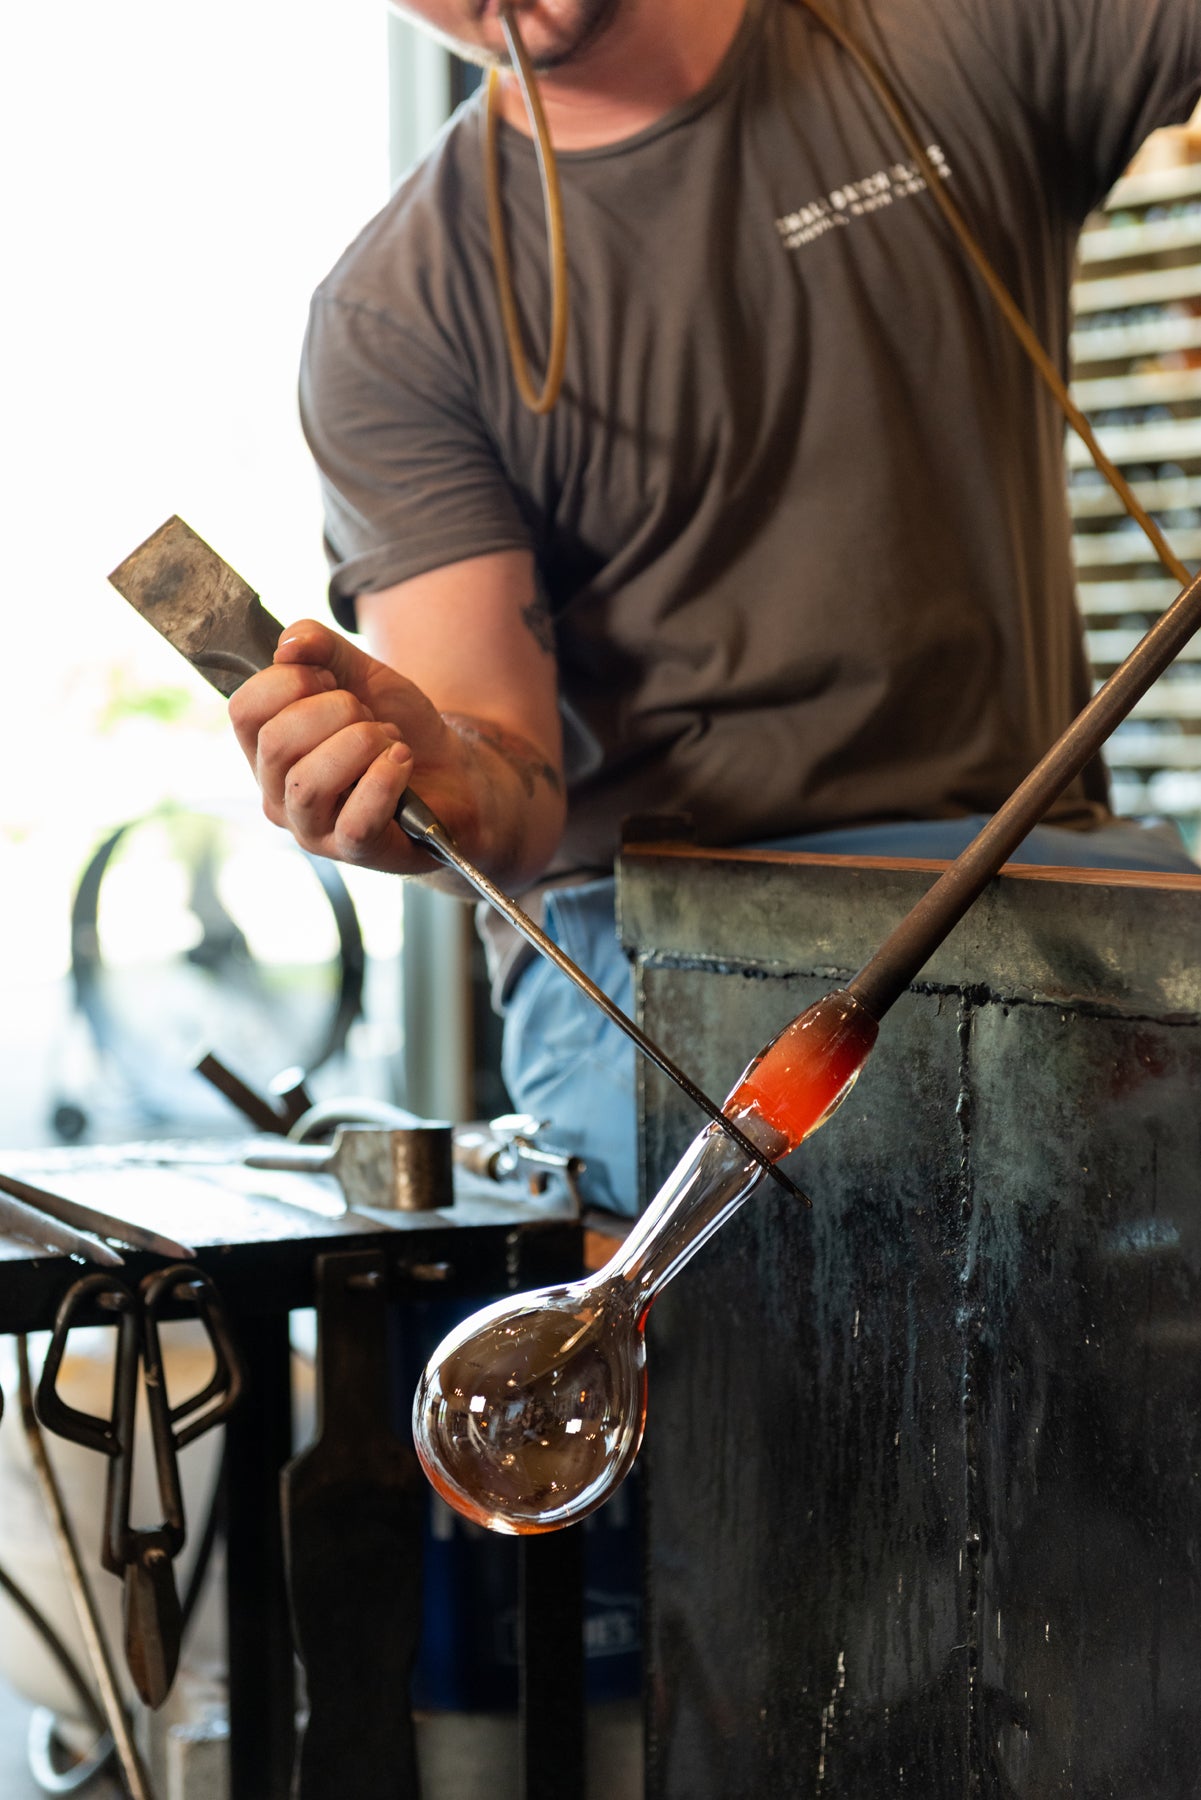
column 532, row 1411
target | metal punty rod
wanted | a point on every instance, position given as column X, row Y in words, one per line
column 889, row 972
column 427, row 829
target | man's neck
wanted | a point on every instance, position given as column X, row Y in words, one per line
column 654, row 56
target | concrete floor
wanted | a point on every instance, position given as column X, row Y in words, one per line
column 461, row 1757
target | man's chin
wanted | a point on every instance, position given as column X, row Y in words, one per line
column 554, row 45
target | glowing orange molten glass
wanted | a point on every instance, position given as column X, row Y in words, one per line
column 808, row 1070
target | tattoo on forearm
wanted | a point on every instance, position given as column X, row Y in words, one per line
column 527, row 763
column 538, row 622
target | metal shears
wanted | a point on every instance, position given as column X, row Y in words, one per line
column 143, row 1556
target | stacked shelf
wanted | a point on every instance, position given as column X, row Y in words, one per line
column 1137, row 358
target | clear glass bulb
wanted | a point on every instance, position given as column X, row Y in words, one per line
column 531, row 1412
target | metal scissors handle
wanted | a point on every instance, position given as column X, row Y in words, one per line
column 142, row 1556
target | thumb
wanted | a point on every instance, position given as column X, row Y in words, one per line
column 315, row 645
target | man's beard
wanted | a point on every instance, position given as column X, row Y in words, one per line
column 560, row 45
column 592, row 18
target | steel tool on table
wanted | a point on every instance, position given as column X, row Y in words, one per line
column 382, row 1164
column 387, row 1158
column 212, row 617
column 381, row 1156
column 40, row 1217
column 288, row 1102
column 143, row 1556
column 509, row 1148
column 402, row 1170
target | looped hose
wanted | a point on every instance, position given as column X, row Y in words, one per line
column 555, row 243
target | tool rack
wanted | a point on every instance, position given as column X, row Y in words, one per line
column 1136, row 352
column 262, row 1254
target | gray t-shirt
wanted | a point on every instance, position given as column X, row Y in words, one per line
column 799, row 512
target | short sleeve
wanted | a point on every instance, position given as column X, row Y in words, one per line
column 1102, row 74
column 409, row 475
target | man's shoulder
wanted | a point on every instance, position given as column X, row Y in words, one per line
column 391, row 261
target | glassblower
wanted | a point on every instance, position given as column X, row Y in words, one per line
column 531, row 1412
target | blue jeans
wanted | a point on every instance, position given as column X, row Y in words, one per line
column 565, row 1062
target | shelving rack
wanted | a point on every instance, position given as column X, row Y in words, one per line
column 1137, row 374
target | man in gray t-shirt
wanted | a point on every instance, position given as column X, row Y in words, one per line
column 791, row 552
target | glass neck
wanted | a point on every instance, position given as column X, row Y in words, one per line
column 790, row 1089
column 710, row 1181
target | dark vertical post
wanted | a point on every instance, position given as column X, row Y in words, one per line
column 352, row 1548
column 259, row 1442
column 551, row 1650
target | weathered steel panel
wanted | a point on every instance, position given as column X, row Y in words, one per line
column 923, row 1490
column 1121, row 941
column 1085, row 1307
column 807, row 1618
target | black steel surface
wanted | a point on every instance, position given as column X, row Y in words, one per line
column 257, row 1239
column 352, row 1508
column 923, row 1506
column 258, row 1442
column 551, row 1659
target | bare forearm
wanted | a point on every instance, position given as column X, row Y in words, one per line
column 479, row 639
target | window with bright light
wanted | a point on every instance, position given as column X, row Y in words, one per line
column 178, row 181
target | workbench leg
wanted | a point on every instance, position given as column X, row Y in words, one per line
column 551, row 1656
column 258, row 1444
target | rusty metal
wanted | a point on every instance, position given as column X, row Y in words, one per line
column 184, row 589
column 199, row 604
column 251, row 1104
column 886, row 975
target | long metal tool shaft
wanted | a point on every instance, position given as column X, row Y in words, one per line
column 415, row 817
column 895, row 964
